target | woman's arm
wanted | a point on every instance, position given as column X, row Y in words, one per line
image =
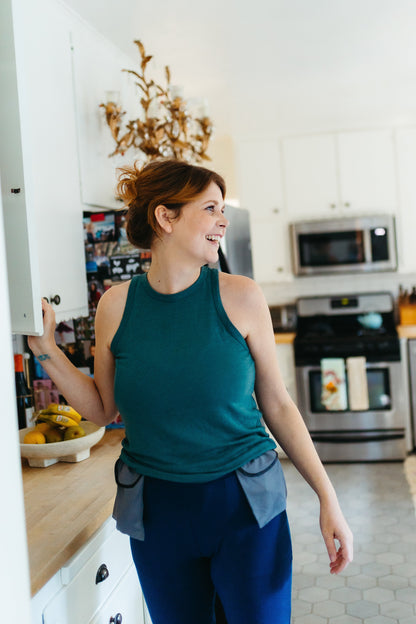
column 248, row 310
column 92, row 398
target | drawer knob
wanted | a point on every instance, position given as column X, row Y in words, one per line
column 102, row 574
column 117, row 619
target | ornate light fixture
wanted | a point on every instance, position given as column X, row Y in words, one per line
column 166, row 128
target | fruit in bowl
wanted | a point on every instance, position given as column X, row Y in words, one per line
column 58, row 435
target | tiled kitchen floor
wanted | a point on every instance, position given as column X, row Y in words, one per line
column 379, row 586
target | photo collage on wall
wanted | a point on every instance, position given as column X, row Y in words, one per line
column 109, row 259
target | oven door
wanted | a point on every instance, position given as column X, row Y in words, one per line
column 376, row 434
column 386, row 400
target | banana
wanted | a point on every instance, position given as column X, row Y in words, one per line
column 57, row 419
column 67, row 410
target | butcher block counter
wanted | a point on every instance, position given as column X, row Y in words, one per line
column 406, row 331
column 65, row 504
column 284, row 337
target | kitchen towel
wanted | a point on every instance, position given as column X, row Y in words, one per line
column 357, row 384
column 334, row 391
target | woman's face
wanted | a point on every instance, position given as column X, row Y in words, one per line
column 201, row 225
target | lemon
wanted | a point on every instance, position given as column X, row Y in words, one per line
column 34, row 437
column 43, row 427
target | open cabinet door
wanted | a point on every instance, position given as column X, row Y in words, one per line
column 23, row 273
column 39, row 165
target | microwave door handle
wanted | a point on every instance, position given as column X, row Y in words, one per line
column 367, row 246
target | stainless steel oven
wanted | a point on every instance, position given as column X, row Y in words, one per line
column 358, row 326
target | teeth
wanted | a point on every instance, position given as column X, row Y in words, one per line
column 213, row 237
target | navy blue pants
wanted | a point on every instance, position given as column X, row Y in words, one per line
column 202, row 538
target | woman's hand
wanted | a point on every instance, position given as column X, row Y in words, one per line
column 43, row 344
column 334, row 527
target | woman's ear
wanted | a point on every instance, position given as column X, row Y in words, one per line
column 163, row 217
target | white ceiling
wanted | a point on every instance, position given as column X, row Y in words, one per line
column 276, row 66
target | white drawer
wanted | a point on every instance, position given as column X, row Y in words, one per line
column 125, row 604
column 80, row 599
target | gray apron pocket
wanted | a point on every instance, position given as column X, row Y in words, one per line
column 128, row 505
column 264, row 486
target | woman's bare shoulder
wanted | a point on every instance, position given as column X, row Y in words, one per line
column 243, row 301
column 115, row 297
column 111, row 307
column 239, row 289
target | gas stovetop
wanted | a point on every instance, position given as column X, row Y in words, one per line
column 345, row 326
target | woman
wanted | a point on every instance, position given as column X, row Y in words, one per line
column 179, row 352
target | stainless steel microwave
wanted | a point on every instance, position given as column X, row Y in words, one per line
column 344, row 245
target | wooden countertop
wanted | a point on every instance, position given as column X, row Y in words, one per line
column 284, row 337
column 407, row 331
column 404, row 331
column 65, row 504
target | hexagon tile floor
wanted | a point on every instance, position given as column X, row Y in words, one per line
column 379, row 586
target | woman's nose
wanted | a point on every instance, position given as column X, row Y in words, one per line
column 223, row 221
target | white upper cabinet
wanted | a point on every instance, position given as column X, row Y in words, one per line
column 339, row 174
column 259, row 177
column 310, row 176
column 367, row 171
column 260, row 191
column 406, row 217
column 39, row 158
column 270, row 250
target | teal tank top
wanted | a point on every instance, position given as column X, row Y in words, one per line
column 184, row 384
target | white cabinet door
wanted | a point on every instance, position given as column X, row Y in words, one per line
column 125, row 603
column 310, row 176
column 270, row 250
column 259, row 177
column 406, row 218
column 41, row 127
column 260, row 191
column 339, row 174
column 367, row 172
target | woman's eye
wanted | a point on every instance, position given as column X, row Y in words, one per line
column 211, row 208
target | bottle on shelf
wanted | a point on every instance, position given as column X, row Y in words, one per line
column 412, row 296
column 23, row 395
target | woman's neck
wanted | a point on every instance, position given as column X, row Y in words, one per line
column 170, row 277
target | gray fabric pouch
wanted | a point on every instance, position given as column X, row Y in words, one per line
column 261, row 479
column 264, row 486
column 128, row 505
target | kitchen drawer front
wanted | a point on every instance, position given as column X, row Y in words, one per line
column 82, row 597
column 125, row 603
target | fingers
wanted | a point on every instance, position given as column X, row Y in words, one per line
column 340, row 563
column 331, row 548
column 341, row 557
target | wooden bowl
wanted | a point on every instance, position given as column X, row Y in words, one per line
column 43, row 455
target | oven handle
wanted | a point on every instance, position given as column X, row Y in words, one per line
column 336, row 439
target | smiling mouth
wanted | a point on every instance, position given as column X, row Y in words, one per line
column 213, row 238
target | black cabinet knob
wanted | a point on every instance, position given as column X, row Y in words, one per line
column 55, row 299
column 102, row 574
column 117, row 619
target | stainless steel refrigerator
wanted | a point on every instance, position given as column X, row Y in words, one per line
column 235, row 252
column 412, row 369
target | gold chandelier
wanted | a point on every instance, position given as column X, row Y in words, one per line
column 166, row 128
